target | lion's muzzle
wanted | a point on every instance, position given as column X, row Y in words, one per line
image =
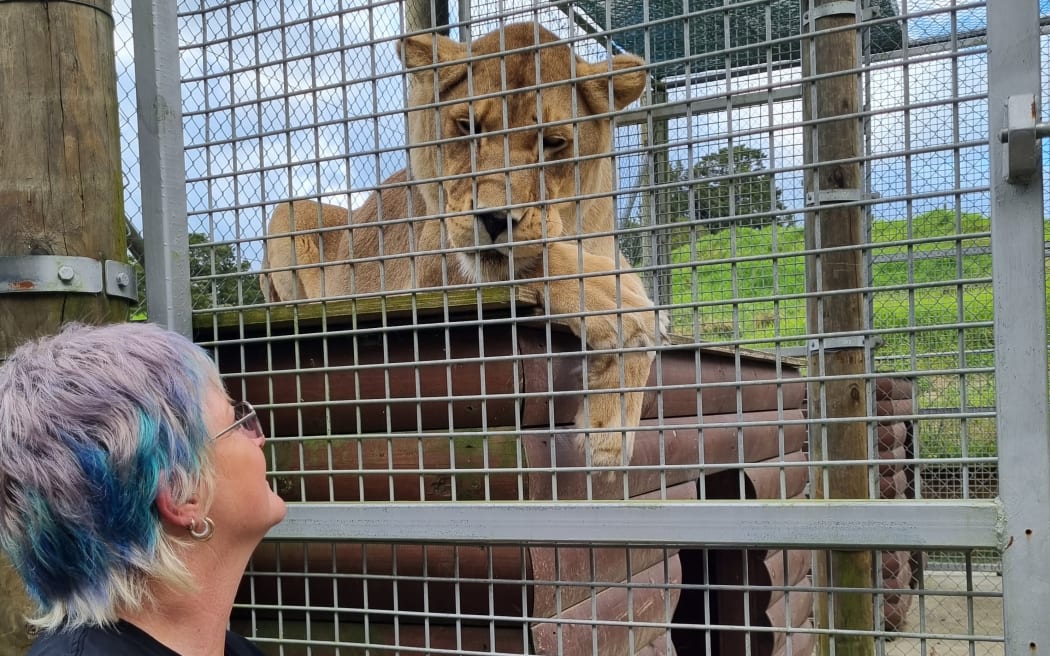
column 494, row 223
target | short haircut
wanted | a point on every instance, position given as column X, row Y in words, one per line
column 92, row 421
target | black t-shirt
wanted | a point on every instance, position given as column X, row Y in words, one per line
column 121, row 639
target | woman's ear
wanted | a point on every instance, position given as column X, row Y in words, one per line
column 176, row 514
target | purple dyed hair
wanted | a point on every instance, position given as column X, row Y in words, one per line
column 92, row 421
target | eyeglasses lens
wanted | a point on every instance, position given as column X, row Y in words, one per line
column 244, row 413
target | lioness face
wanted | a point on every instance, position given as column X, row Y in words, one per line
column 509, row 136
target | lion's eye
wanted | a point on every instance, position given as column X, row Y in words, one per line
column 554, row 143
column 465, row 126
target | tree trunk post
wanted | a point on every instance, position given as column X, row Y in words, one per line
column 833, row 146
column 61, row 190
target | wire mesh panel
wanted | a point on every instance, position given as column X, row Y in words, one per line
column 577, row 256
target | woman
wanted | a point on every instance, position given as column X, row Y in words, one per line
column 132, row 492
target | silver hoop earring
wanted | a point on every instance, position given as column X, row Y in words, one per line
column 206, row 531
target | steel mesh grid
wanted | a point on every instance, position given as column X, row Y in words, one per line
column 741, row 327
column 540, row 598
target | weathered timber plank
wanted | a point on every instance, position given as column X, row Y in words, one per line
column 359, row 580
column 640, row 604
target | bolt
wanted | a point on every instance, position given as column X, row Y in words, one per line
column 66, row 273
column 123, row 280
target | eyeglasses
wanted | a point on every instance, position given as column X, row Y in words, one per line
column 245, row 416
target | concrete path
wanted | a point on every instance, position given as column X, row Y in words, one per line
column 950, row 616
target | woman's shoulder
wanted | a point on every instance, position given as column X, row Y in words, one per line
column 240, row 646
column 121, row 639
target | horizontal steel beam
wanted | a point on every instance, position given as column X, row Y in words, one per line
column 959, row 524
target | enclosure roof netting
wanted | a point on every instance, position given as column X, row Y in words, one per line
column 657, row 29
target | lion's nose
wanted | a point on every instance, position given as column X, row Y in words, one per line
column 495, row 223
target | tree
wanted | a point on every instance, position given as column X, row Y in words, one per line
column 709, row 197
column 728, row 184
column 212, row 260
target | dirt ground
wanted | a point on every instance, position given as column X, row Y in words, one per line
column 948, row 618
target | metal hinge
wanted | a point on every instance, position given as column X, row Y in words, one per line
column 66, row 274
column 1022, row 155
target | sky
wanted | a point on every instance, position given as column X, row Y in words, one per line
column 303, row 99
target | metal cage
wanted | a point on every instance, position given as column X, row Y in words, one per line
column 767, row 376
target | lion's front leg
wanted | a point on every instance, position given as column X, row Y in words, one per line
column 617, row 315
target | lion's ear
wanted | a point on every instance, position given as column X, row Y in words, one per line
column 627, row 85
column 425, row 51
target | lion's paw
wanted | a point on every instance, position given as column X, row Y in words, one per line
column 612, row 449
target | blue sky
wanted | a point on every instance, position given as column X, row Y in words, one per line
column 265, row 120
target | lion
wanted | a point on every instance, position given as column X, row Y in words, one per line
column 511, row 185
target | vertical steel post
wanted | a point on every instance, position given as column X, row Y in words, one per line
column 162, row 164
column 1021, row 337
column 1018, row 270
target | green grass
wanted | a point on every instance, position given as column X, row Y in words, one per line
column 935, row 311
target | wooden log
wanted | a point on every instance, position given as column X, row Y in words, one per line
column 787, row 568
column 894, row 407
column 795, row 644
column 890, row 461
column 289, row 638
column 589, row 621
column 892, row 435
column 662, row 646
column 787, row 482
column 554, row 570
column 61, row 188
column 429, row 378
column 832, row 146
column 887, row 387
column 357, row 580
column 344, row 575
column 401, row 468
column 785, row 615
column 402, row 380
column 680, row 441
column 895, row 605
column 894, row 487
column 419, row 468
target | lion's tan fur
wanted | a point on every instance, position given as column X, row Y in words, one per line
column 490, row 142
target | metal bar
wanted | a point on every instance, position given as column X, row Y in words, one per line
column 162, row 164
column 1018, row 270
column 874, row 524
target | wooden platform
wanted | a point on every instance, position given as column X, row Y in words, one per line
column 407, row 402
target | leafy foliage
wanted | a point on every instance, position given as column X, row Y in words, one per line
column 931, row 304
column 219, row 277
column 731, row 185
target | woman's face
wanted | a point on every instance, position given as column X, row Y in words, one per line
column 244, row 507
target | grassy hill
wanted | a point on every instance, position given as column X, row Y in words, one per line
column 931, row 303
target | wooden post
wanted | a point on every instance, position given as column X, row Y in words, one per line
column 833, row 308
column 61, row 191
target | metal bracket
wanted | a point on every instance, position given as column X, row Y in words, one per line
column 66, row 274
column 1021, row 152
column 842, row 343
column 833, row 196
column 839, row 8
